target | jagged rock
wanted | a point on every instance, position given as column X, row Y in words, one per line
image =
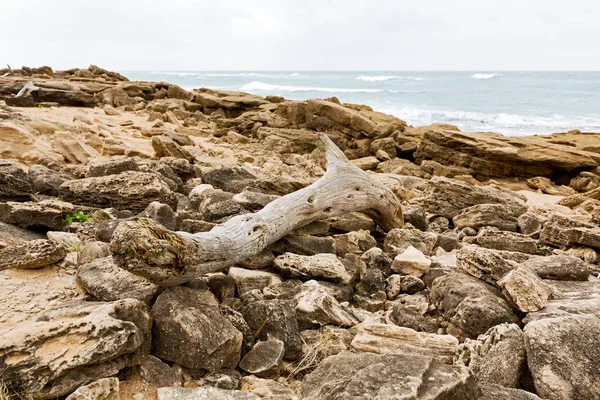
column 14, row 183
column 562, row 355
column 189, row 330
column 375, row 258
column 495, row 155
column 204, row 393
column 406, row 317
column 253, row 200
column 511, row 241
column 92, row 251
column 483, row 263
column 233, row 180
column 416, row 216
column 237, row 320
column 276, row 319
column 231, row 103
column 569, row 298
column 345, row 376
column 559, row 267
column 491, row 391
column 128, row 190
column 46, row 181
column 112, row 167
column 32, row 254
column 165, row 146
column 105, row 281
column 102, row 389
column 496, row 357
column 315, row 306
column 411, row 262
column 307, row 245
column 547, row 186
column 319, row 266
column 366, row 163
column 11, row 235
column 247, row 280
column 153, row 371
column 324, row 115
column 267, row 389
column 470, row 305
column 264, row 259
column 265, row 358
column 351, row 222
column 381, row 338
column 161, row 213
column 397, row 284
column 525, row 289
column 74, row 344
column 448, row 197
column 480, row 215
column 564, row 231
column 400, row 239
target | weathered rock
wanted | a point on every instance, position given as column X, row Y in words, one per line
column 153, row 371
column 375, row 258
column 511, row 241
column 267, row 389
column 409, row 318
column 233, row 180
column 411, row 262
column 480, row 215
column 319, row 266
column 232, row 103
column 324, row 115
column 351, row 222
column 189, row 330
column 92, row 251
column 559, row 267
column 112, row 167
column 381, row 338
column 483, row 263
column 247, row 280
column 74, row 344
column 204, row 393
column 14, row 183
column 307, row 245
column 253, row 200
column 547, row 186
column 354, row 242
column 470, row 305
column 344, row 376
column 102, row 389
column 564, row 231
column 265, row 358
column 128, row 190
column 161, row 213
column 276, row 319
column 562, row 355
column 525, row 289
column 46, row 181
column 497, row 357
column 32, row 254
column 105, row 281
column 165, row 146
column 399, row 239
column 448, row 197
column 366, row 163
column 11, row 235
column 397, row 284
column 315, row 306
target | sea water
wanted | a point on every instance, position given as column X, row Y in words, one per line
column 512, row 103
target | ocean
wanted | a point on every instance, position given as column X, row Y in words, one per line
column 512, row 103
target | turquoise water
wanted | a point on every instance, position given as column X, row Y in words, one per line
column 513, row 103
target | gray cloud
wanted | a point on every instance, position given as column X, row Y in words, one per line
column 301, row 35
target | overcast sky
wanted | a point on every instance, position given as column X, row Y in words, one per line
column 302, row 34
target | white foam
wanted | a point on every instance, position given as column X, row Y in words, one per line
column 484, row 76
column 379, row 78
column 233, row 74
column 268, row 87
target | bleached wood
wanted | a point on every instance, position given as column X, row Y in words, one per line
column 167, row 258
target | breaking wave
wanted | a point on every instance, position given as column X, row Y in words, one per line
column 379, row 78
column 484, row 76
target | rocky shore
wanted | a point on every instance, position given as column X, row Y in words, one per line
column 157, row 243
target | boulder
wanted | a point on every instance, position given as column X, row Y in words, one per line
column 11, row 235
column 545, row 185
column 128, row 190
column 233, row 179
column 268, row 389
column 32, row 254
column 497, row 356
column 319, row 266
column 492, row 391
column 409, row 318
column 203, row 393
column 399, row 239
column 397, row 284
column 324, row 116
column 264, row 359
column 112, row 167
column 46, row 181
column 41, row 215
column 161, row 213
column 470, row 305
column 354, row 242
column 105, row 281
column 386, row 376
column 481, row 215
column 247, row 279
column 411, row 262
column 525, row 289
column 564, row 231
column 14, row 183
column 559, row 267
column 102, row 389
column 74, row 344
column 165, row 146
column 562, row 355
column 315, row 306
column 485, row 264
column 153, row 371
column 511, row 241
column 189, row 330
column 232, row 104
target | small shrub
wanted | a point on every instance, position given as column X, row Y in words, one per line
column 77, row 216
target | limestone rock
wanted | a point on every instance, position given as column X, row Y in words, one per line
column 562, row 355
column 189, row 330
column 14, row 183
column 564, row 231
column 319, row 266
column 46, row 214
column 247, row 280
column 399, row 239
column 105, row 281
column 497, row 356
column 46, row 181
column 547, row 186
column 481, row 215
column 267, row 389
column 12, row 235
column 155, row 372
column 470, row 305
column 128, row 190
column 483, row 263
column 559, row 267
column 161, row 213
column 411, row 262
column 325, row 115
column 315, row 306
column 102, row 389
column 32, row 254
column 165, row 146
column 345, row 376
column 354, row 242
column 511, row 241
column 232, row 103
column 112, row 167
column 204, row 393
column 397, row 284
column 525, row 289
column 409, row 318
column 264, row 360
column 491, row 391
column 74, row 344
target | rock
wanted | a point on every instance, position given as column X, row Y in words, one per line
column 547, row 186
column 105, row 281
column 307, row 245
column 559, row 267
column 112, row 167
column 228, row 379
column 525, row 289
column 189, row 330
column 46, row 181
column 481, row 215
column 319, row 266
column 376, row 376
column 411, row 262
column 497, row 356
column 69, row 241
column 203, row 393
column 351, row 222
column 161, row 213
column 253, row 201
column 470, row 305
column 14, row 183
column 562, row 355
column 491, row 391
column 102, row 389
column 448, row 197
column 92, row 251
column 397, row 284
column 381, row 338
column 495, row 155
column 265, row 358
column 275, row 319
column 155, row 372
column 416, row 216
column 324, row 115
column 375, row 258
column 366, row 163
column 72, row 345
column 564, row 231
column 165, row 146
column 511, row 241
column 233, row 180
column 247, row 280
column 315, row 306
column 354, row 242
column 406, row 317
column 400, row 239
column 128, row 190
column 237, row 320
column 11, row 235
column 232, row 104
column 32, row 254
column 267, row 389
column 482, row 263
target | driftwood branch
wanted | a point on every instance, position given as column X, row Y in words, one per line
column 167, row 258
column 27, row 89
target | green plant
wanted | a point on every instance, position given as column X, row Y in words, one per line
column 40, row 106
column 77, row 216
